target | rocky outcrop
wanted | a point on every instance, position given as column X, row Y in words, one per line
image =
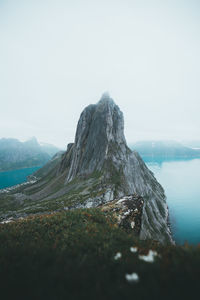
column 99, row 167
column 100, row 129
column 127, row 211
column 100, row 146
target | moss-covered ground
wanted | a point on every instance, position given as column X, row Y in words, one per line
column 71, row 255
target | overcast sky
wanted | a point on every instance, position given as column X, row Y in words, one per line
column 56, row 57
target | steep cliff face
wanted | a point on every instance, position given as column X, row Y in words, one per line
column 99, row 129
column 99, row 167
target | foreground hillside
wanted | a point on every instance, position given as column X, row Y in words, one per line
column 83, row 254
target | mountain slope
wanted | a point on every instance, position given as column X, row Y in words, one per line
column 15, row 154
column 99, row 167
column 83, row 254
column 164, row 149
column 49, row 149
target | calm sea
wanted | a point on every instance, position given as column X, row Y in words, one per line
column 14, row 177
column 181, row 181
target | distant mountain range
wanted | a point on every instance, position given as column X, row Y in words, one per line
column 16, row 155
column 192, row 144
column 164, row 149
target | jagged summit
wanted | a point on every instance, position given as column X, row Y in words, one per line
column 106, row 99
column 100, row 128
column 105, row 95
column 99, row 167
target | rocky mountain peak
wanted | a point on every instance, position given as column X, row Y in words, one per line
column 106, row 99
column 32, row 142
column 99, row 168
column 100, row 128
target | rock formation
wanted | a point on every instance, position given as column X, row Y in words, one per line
column 99, row 167
column 127, row 211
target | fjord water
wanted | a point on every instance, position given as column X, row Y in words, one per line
column 14, row 177
column 181, row 181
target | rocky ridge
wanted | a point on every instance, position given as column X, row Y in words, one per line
column 127, row 211
column 96, row 169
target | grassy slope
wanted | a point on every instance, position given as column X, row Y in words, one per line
column 76, row 192
column 70, row 255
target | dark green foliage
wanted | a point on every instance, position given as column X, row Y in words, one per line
column 70, row 255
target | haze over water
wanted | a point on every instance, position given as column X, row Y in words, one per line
column 180, row 179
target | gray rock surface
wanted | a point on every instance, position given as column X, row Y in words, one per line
column 99, row 167
column 127, row 211
column 100, row 128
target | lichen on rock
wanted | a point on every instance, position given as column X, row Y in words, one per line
column 127, row 211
